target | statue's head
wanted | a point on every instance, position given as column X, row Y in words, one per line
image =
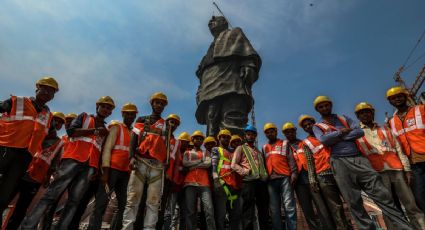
column 218, row 24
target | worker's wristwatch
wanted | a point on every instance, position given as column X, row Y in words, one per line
column 96, row 131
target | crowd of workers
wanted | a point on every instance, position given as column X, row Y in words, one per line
column 237, row 184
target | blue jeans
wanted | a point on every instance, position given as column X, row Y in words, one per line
column 418, row 185
column 280, row 190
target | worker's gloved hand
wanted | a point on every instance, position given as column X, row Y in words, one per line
column 314, row 186
column 102, row 131
column 105, row 175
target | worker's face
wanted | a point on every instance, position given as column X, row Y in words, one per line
column 398, row 100
column 217, row 25
column 307, row 125
column 271, row 134
column 324, row 108
column 366, row 116
column 158, row 106
column 58, row 122
column 250, row 136
column 234, row 144
column 198, row 141
column 209, row 145
column 224, row 140
column 184, row 144
column 104, row 110
column 173, row 123
column 44, row 94
column 290, row 134
column 128, row 117
column 68, row 122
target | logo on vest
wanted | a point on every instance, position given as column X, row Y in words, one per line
column 410, row 122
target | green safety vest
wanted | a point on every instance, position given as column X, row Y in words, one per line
column 257, row 171
column 230, row 196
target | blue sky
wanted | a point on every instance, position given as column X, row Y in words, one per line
column 348, row 50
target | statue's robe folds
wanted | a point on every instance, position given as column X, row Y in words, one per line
column 219, row 70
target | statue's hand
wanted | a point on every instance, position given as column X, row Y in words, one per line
column 248, row 75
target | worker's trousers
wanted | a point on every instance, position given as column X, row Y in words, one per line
column 354, row 175
column 282, row 194
column 148, row 173
column 329, row 204
column 418, row 184
column 13, row 165
column 118, row 181
column 71, row 174
column 222, row 206
column 174, row 212
column 191, row 195
column 254, row 193
column 405, row 195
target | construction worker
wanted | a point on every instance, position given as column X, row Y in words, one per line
column 325, row 192
column 42, row 166
column 282, row 171
column 173, row 122
column 407, row 124
column 175, row 201
column 302, row 185
column 79, row 164
column 197, row 183
column 24, row 122
column 115, row 168
column 148, row 154
column 353, row 172
column 235, row 141
column 46, row 223
column 248, row 162
column 227, row 185
column 58, row 120
column 387, row 158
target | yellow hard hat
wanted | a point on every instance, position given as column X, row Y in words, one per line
column 396, row 90
column 129, row 107
column 191, row 143
column 184, row 136
column 304, row 117
column 288, row 125
column 71, row 115
column 59, row 115
column 363, row 105
column 269, row 126
column 159, row 96
column 320, row 99
column 224, row 132
column 113, row 122
column 48, row 81
column 210, row 139
column 197, row 133
column 174, row 116
column 106, row 100
column 235, row 137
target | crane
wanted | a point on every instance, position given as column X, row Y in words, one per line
column 414, row 89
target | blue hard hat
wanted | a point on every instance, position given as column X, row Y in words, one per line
column 250, row 128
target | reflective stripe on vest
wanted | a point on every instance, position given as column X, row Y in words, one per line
column 121, row 145
column 175, row 148
column 368, row 149
column 49, row 157
column 87, row 139
column 313, row 149
column 283, row 150
column 256, row 172
column 418, row 123
column 222, row 160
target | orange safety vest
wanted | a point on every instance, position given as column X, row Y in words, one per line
column 120, row 157
column 276, row 160
column 24, row 127
column 85, row 148
column 197, row 175
column 153, row 145
column 42, row 160
column 174, row 148
column 411, row 131
column 225, row 171
column 299, row 157
column 388, row 148
column 320, row 153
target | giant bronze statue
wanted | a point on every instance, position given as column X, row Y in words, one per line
column 226, row 74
